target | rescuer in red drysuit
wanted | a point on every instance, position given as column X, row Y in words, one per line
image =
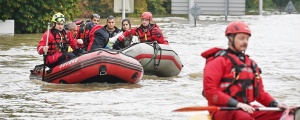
column 232, row 79
column 58, row 42
column 146, row 32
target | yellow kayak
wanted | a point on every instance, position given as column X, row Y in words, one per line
column 200, row 117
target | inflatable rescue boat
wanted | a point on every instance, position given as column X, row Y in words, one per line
column 156, row 59
column 99, row 66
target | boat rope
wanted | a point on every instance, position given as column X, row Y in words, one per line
column 156, row 48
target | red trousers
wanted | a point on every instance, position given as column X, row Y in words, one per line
column 242, row 115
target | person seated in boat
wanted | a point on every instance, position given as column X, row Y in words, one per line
column 126, row 25
column 58, row 41
column 82, row 32
column 88, row 34
column 101, row 36
column 146, row 32
column 73, row 28
column 95, row 18
column 232, row 79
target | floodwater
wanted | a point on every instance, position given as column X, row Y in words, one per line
column 274, row 45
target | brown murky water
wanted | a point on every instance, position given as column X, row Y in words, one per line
column 274, row 45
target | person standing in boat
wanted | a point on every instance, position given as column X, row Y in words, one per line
column 126, row 25
column 146, row 32
column 101, row 36
column 231, row 78
column 58, row 41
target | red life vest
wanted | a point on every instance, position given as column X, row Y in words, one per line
column 58, row 42
column 242, row 81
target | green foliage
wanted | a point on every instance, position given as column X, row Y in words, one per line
column 297, row 6
column 268, row 4
column 251, row 4
column 102, row 7
column 140, row 6
column 155, row 6
column 159, row 6
column 167, row 5
column 32, row 16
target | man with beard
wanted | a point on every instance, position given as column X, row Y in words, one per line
column 232, row 79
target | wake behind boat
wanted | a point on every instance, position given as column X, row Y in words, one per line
column 98, row 66
column 156, row 59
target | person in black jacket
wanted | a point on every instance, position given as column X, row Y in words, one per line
column 102, row 35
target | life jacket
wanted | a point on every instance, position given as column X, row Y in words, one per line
column 153, row 30
column 91, row 36
column 242, row 82
column 60, row 42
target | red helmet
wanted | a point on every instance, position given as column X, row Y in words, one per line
column 147, row 15
column 237, row 27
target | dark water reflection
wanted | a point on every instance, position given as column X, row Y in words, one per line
column 17, row 40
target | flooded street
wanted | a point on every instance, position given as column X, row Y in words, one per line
column 274, row 45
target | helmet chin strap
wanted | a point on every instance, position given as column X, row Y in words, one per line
column 240, row 55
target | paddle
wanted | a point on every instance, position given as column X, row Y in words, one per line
column 214, row 108
column 45, row 54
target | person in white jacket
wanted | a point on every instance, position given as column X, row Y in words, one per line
column 126, row 25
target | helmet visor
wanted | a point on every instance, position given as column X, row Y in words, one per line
column 60, row 20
